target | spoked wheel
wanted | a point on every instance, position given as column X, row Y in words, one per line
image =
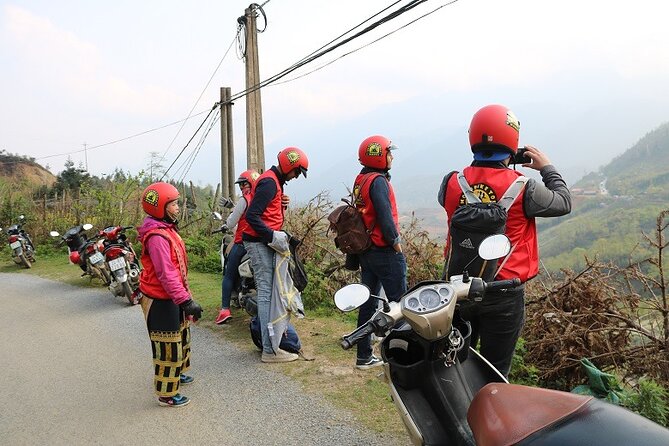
column 127, row 292
column 25, row 261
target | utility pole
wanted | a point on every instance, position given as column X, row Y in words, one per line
column 255, row 154
column 86, row 156
column 227, row 146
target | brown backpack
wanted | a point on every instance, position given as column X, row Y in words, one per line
column 351, row 235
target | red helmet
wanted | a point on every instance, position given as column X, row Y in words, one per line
column 373, row 152
column 156, row 197
column 494, row 127
column 75, row 257
column 292, row 158
column 248, row 176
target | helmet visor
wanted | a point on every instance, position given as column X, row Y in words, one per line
column 301, row 170
column 392, row 147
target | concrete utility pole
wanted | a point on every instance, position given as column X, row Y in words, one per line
column 227, row 146
column 255, row 155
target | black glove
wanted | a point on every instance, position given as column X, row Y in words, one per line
column 192, row 308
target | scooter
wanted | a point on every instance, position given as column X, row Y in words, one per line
column 121, row 260
column 85, row 252
column 448, row 394
column 244, row 291
column 23, row 250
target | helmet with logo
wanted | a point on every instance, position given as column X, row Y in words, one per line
column 155, row 198
column 494, row 133
column 292, row 158
column 248, row 176
column 373, row 152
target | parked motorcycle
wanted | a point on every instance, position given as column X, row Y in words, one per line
column 85, row 252
column 23, row 250
column 121, row 260
column 448, row 394
column 244, row 291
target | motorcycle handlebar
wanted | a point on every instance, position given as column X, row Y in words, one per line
column 125, row 228
column 356, row 336
column 502, row 284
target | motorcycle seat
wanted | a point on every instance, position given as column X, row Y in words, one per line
column 505, row 414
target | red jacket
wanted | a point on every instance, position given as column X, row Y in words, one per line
column 489, row 184
column 163, row 278
column 242, row 224
column 365, row 206
column 272, row 216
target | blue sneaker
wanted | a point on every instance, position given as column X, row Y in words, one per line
column 173, row 401
column 185, row 379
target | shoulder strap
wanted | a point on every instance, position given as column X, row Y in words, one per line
column 467, row 189
column 365, row 178
column 512, row 192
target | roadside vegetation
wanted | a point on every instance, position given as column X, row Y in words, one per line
column 616, row 314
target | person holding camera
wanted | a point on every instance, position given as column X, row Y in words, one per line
column 166, row 300
column 493, row 136
column 236, row 218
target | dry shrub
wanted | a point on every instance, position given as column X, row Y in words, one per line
column 616, row 316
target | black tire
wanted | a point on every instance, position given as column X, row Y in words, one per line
column 127, row 292
column 106, row 276
column 25, row 261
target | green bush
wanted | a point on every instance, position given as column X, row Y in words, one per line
column 650, row 400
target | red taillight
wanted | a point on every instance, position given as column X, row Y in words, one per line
column 90, row 249
column 13, row 238
column 113, row 252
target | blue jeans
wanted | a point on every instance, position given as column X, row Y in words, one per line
column 262, row 261
column 380, row 267
column 231, row 276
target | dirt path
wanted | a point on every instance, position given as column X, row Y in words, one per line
column 77, row 370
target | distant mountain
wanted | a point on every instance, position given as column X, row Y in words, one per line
column 612, row 207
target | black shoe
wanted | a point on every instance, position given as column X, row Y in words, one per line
column 372, row 361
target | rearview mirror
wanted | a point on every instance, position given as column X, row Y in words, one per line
column 494, row 247
column 87, row 226
column 351, row 296
column 217, row 215
column 21, row 217
column 54, row 233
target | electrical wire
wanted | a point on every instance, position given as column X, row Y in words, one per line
column 201, row 94
column 366, row 45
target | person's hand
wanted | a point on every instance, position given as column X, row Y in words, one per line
column 224, row 228
column 397, row 247
column 539, row 158
column 192, row 308
column 225, row 202
column 285, row 200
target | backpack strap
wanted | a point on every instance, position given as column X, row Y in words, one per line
column 512, row 192
column 470, row 197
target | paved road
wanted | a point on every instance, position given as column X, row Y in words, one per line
column 77, row 370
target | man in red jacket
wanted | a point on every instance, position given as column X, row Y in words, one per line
column 384, row 263
column 493, row 135
column 265, row 217
column 166, row 298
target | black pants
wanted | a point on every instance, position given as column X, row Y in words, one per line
column 496, row 323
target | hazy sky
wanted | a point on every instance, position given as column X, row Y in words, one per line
column 76, row 72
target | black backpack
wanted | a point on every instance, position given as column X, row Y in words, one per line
column 471, row 223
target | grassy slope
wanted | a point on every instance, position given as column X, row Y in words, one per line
column 331, row 374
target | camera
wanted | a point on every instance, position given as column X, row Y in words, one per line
column 520, row 157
